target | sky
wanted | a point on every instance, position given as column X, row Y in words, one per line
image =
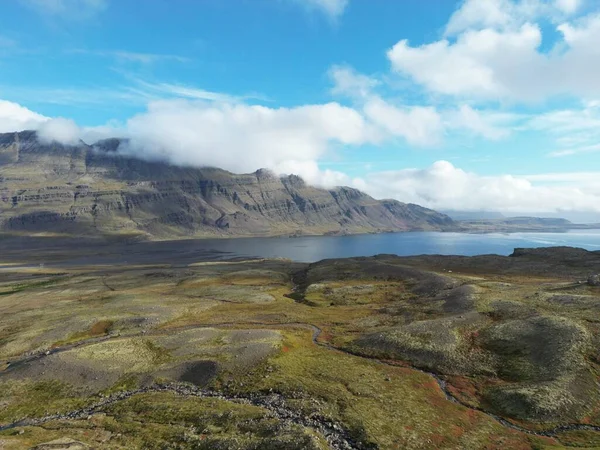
column 456, row 105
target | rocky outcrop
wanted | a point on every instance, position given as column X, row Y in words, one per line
column 82, row 189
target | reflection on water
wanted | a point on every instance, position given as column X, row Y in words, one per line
column 315, row 248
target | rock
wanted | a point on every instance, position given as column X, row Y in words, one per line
column 594, row 280
column 64, row 443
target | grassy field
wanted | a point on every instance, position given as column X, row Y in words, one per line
column 395, row 353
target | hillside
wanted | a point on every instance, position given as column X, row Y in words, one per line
column 87, row 189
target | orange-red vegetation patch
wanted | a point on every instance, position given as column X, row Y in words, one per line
column 473, row 415
column 504, row 442
column 437, row 439
column 463, row 389
column 101, row 327
column 457, row 431
column 544, row 440
column 325, row 336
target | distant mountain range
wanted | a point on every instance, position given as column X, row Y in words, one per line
column 515, row 224
column 577, row 217
column 93, row 190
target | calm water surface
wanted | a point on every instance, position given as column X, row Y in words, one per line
column 310, row 249
column 303, row 249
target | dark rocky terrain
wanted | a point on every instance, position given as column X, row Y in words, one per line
column 93, row 189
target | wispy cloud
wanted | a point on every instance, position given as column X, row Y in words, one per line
column 577, row 131
column 193, row 93
column 136, row 92
column 67, row 9
column 575, row 151
column 128, row 56
column 332, row 8
column 85, row 96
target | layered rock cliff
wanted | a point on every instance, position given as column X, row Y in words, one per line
column 85, row 189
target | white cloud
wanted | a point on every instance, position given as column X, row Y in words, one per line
column 242, row 137
column 483, row 64
column 568, row 6
column 480, row 13
column 446, row 187
column 75, row 9
column 14, row 117
column 504, row 14
column 566, row 177
column 419, row 125
column 576, row 130
column 60, row 130
column 567, row 120
column 497, row 53
column 348, row 82
column 310, row 171
column 491, row 126
column 332, row 8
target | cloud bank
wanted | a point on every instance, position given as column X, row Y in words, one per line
column 444, row 186
column 243, row 138
column 14, row 117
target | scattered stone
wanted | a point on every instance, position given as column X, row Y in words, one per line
column 62, row 444
column 337, row 436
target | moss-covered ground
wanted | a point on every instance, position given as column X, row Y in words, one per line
column 522, row 346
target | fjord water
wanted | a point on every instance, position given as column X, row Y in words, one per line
column 36, row 251
column 315, row 248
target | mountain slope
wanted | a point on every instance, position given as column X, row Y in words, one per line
column 92, row 189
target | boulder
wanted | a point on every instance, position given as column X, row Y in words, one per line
column 594, row 280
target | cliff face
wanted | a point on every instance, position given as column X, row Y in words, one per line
column 92, row 189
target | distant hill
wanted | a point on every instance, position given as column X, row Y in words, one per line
column 83, row 189
column 576, row 217
column 516, row 224
column 473, row 215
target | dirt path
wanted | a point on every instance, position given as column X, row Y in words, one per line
column 336, row 432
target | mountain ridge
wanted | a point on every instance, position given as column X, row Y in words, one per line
column 87, row 189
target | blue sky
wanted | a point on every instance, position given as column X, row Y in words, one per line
column 477, row 104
